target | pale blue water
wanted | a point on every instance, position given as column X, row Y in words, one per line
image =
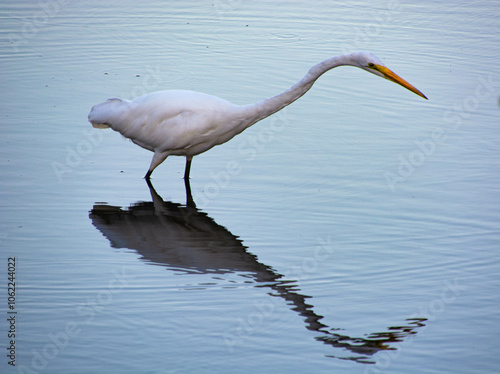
column 357, row 231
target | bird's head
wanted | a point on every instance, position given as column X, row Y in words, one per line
column 371, row 63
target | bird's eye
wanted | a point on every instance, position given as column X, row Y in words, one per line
column 371, row 65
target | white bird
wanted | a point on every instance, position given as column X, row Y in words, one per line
column 187, row 123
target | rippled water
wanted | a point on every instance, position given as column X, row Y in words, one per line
column 355, row 231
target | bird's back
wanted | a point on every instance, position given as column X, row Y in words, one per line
column 181, row 122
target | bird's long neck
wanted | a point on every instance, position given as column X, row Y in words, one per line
column 264, row 108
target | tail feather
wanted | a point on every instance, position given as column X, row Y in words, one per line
column 103, row 115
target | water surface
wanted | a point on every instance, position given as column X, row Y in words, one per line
column 358, row 232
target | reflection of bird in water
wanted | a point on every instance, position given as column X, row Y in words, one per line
column 187, row 123
column 183, row 238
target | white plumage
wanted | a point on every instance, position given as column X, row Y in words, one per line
column 187, row 123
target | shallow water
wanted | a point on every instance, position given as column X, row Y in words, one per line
column 355, row 231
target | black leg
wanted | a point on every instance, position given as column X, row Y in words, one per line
column 150, row 185
column 148, row 175
column 189, row 197
column 188, row 167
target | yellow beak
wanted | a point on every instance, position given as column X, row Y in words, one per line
column 390, row 75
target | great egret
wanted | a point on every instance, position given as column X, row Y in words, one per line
column 187, row 123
